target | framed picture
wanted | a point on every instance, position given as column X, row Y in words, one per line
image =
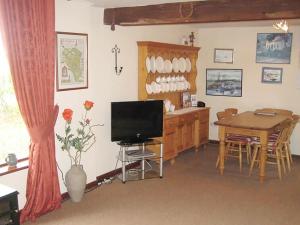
column 223, row 55
column 274, row 48
column 186, row 99
column 72, row 61
column 224, row 82
column 271, row 75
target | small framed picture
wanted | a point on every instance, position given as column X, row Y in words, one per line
column 271, row 75
column 71, row 61
column 186, row 99
column 223, row 55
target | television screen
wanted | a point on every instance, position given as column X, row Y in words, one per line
column 136, row 121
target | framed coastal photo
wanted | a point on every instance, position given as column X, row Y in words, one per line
column 72, row 61
column 274, row 48
column 223, row 55
column 271, row 75
column 224, row 82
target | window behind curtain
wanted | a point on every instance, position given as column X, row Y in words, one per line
column 14, row 137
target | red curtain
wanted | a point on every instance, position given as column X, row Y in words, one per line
column 28, row 29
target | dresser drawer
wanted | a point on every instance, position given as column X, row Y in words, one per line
column 170, row 123
column 203, row 115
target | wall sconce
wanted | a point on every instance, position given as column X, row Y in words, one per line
column 281, row 25
column 118, row 70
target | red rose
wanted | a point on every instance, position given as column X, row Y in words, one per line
column 88, row 105
column 67, row 115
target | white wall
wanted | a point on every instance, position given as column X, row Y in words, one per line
column 104, row 85
column 254, row 93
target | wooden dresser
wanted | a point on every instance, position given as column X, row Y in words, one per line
column 184, row 131
column 185, row 128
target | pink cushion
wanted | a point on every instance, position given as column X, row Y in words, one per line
column 238, row 138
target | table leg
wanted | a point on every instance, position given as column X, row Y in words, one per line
column 161, row 161
column 263, row 155
column 221, row 149
column 143, row 163
column 123, row 164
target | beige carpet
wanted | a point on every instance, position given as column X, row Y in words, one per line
column 191, row 192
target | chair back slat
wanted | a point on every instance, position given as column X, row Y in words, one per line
column 295, row 120
column 223, row 115
column 232, row 111
column 284, row 132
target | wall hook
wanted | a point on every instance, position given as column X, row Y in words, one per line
column 116, row 50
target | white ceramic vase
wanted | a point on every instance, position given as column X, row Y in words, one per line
column 76, row 182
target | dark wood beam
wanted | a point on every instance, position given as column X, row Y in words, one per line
column 203, row 12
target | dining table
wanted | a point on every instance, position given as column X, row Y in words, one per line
column 253, row 124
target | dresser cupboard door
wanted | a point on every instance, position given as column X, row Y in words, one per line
column 170, row 138
column 203, row 126
column 203, row 132
column 170, row 151
column 188, row 132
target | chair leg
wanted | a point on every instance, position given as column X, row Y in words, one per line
column 240, row 157
column 287, row 156
column 253, row 159
column 278, row 162
column 281, row 156
column 248, row 150
column 218, row 161
column 289, row 151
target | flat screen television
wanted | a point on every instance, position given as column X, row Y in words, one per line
column 136, row 121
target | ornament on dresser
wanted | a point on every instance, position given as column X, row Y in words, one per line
column 75, row 144
column 192, row 38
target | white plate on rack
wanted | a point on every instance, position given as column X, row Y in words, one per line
column 188, row 65
column 159, row 64
column 182, row 65
column 175, row 65
column 158, row 88
column 152, row 64
column 167, row 87
column 163, row 87
column 149, row 89
column 148, row 64
column 153, row 87
column 167, row 66
column 158, row 79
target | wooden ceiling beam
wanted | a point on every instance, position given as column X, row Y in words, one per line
column 203, row 12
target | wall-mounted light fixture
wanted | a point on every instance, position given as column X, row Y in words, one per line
column 116, row 50
column 281, row 25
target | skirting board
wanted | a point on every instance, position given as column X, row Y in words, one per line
column 99, row 179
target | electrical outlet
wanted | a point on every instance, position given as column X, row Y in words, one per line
column 107, row 181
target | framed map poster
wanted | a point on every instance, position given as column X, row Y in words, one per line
column 72, row 61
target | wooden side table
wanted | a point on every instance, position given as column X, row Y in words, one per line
column 9, row 207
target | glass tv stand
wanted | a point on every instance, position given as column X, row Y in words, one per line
column 132, row 152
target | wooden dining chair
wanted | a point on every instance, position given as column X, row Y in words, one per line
column 287, row 148
column 274, row 149
column 235, row 145
column 232, row 111
column 223, row 115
